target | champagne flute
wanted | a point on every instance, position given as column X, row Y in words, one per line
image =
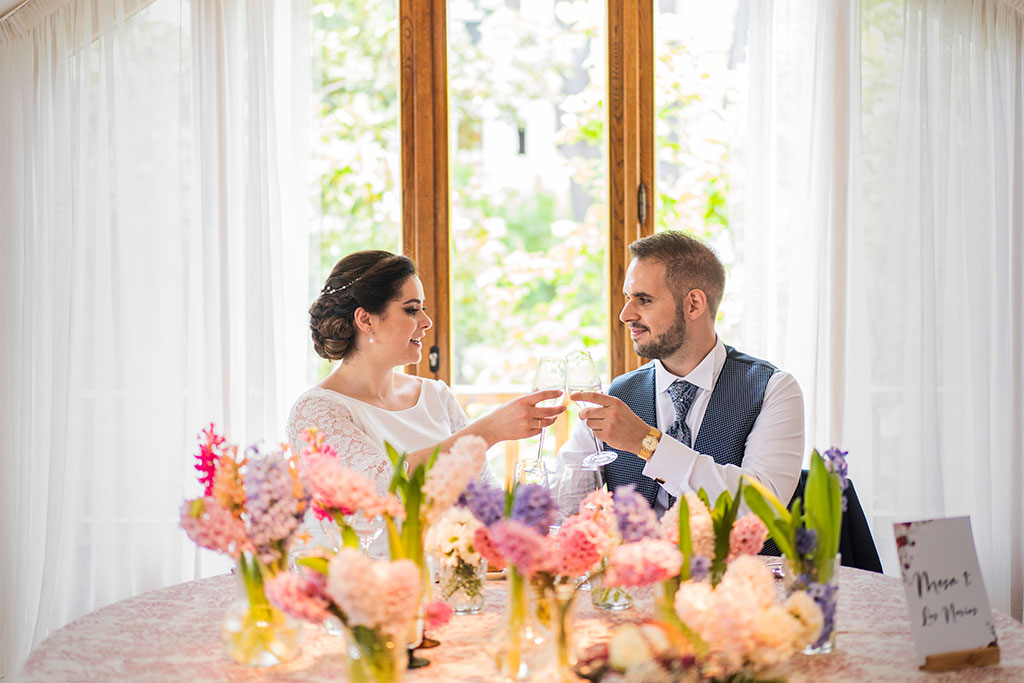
column 550, row 374
column 581, row 375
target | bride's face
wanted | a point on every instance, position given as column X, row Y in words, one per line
column 399, row 331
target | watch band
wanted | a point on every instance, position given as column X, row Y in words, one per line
column 649, row 444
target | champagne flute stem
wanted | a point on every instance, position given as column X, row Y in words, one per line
column 540, row 446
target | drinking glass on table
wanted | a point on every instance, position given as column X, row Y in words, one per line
column 574, row 483
column 581, row 375
column 368, row 530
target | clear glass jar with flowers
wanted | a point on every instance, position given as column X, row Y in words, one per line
column 514, row 530
column 374, row 600
column 251, row 509
column 427, row 492
column 461, row 568
column 717, row 613
column 808, row 535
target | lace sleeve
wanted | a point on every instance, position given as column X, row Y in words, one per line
column 334, row 419
column 457, row 418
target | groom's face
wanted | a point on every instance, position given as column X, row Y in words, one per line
column 657, row 330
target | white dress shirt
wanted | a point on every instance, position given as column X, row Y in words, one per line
column 773, row 452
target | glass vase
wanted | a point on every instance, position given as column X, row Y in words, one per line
column 562, row 602
column 374, row 655
column 253, row 632
column 462, row 586
column 822, row 583
column 519, row 641
column 608, row 597
column 664, row 594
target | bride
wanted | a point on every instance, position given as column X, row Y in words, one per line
column 371, row 316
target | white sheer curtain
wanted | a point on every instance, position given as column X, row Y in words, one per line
column 804, row 307
column 153, row 270
column 946, row 245
column 882, row 247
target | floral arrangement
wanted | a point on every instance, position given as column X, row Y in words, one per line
column 643, row 556
column 747, row 633
column 428, row 491
column 451, row 541
column 808, row 533
column 251, row 509
column 711, row 536
column 375, row 600
column 337, row 492
column 522, row 539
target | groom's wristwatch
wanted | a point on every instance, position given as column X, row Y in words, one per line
column 649, row 444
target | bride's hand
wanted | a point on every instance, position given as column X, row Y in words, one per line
column 520, row 418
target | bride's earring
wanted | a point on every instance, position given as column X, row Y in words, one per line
column 371, row 337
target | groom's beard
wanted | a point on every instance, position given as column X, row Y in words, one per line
column 666, row 344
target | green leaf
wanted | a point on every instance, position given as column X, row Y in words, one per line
column 703, row 495
column 766, row 494
column 779, row 527
column 823, row 511
column 685, row 541
column 317, row 564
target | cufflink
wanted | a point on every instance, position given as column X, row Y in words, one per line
column 659, row 480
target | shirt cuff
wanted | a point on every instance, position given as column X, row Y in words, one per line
column 671, row 465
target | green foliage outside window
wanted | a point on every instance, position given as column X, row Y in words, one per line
column 529, row 273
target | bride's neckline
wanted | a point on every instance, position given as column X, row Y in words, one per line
column 419, row 399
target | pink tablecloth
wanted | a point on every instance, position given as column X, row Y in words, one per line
column 174, row 634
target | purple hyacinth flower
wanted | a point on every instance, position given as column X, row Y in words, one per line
column 635, row 516
column 699, row 567
column 825, row 595
column 274, row 512
column 835, row 462
column 806, row 541
column 535, row 507
column 487, row 503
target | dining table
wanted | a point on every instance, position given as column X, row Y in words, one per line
column 174, row 634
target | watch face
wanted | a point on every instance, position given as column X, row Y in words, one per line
column 650, row 443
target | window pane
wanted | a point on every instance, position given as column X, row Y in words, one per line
column 528, row 214
column 700, row 97
column 356, row 144
column 528, row 192
column 356, row 152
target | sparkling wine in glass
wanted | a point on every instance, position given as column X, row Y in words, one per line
column 550, row 374
column 581, row 375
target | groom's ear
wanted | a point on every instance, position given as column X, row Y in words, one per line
column 696, row 304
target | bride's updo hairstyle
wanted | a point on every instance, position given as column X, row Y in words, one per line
column 367, row 279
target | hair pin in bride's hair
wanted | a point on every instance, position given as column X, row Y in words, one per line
column 332, row 290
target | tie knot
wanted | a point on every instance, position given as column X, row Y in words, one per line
column 682, row 393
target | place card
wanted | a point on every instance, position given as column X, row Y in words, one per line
column 950, row 617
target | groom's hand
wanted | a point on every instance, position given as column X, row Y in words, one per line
column 612, row 421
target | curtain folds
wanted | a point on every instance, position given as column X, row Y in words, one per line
column 882, row 246
column 148, row 169
column 947, row 371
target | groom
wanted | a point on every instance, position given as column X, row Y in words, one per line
column 700, row 414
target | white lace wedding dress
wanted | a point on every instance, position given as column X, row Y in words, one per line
column 358, row 430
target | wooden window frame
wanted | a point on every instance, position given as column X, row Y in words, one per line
column 424, row 133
